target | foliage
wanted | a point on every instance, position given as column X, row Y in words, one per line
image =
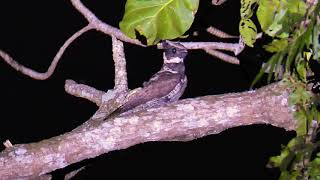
column 158, row 19
column 293, row 26
column 297, row 160
column 247, row 28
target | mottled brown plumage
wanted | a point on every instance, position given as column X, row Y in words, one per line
column 165, row 86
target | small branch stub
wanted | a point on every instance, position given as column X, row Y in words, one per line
column 7, row 144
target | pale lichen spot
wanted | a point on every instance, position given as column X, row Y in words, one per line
column 47, row 158
column 203, row 123
column 185, row 107
column 115, row 130
column 156, row 126
column 109, row 143
column 99, row 115
column 118, row 121
column 106, row 125
column 203, row 104
column 130, row 130
column 232, row 111
column 152, row 109
column 60, row 161
column 20, row 151
column 284, row 102
column 55, row 159
column 24, row 159
column 251, row 91
column 218, row 115
column 107, row 96
column 190, row 123
column 11, row 154
column 85, row 94
column 146, row 134
column 134, row 120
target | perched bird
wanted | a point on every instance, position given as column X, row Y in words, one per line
column 165, row 86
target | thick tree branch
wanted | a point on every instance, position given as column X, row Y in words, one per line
column 181, row 121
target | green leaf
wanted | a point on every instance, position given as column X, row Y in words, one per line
column 297, row 6
column 266, row 13
column 314, row 170
column 302, row 70
column 283, row 160
column 276, row 161
column 158, row 19
column 316, row 43
column 307, row 54
column 272, row 65
column 300, row 96
column 278, row 17
column 297, row 45
column 246, row 8
column 248, row 31
column 301, row 118
column 268, row 67
column 277, row 45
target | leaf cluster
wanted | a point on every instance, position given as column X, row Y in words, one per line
column 293, row 26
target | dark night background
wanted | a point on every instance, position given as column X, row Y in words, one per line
column 31, row 110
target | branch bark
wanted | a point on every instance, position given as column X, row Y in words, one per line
column 181, row 121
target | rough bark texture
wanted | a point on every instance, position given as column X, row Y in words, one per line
column 181, row 121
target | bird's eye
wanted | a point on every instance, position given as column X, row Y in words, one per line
column 173, row 50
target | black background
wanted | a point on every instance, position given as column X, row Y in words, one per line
column 31, row 110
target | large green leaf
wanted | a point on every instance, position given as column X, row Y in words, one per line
column 158, row 19
column 276, row 45
column 266, row 12
column 278, row 17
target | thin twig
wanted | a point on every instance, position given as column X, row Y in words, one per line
column 84, row 91
column 218, row 2
column 101, row 26
column 233, row 47
column 120, row 80
column 212, row 47
column 38, row 75
column 216, row 32
column 223, row 56
column 107, row 101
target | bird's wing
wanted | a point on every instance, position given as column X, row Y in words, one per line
column 154, row 89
